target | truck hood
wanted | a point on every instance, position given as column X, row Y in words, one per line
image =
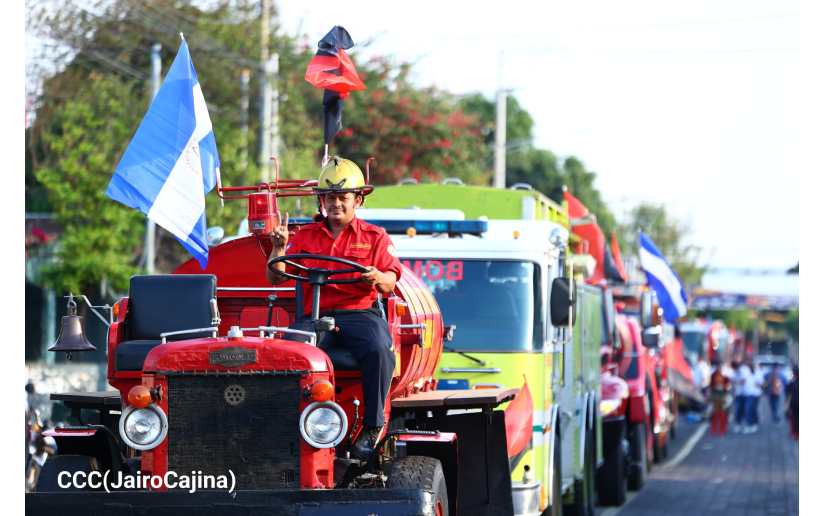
column 247, row 354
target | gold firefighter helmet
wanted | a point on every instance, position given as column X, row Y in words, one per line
column 342, row 175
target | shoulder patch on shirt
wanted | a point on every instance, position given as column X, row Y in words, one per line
column 366, row 226
column 391, row 250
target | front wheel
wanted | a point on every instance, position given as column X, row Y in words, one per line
column 584, row 491
column 555, row 508
column 419, row 472
column 674, row 410
column 638, row 457
column 612, row 475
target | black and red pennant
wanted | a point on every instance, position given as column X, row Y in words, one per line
column 332, row 70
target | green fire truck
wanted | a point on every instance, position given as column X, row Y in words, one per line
column 492, row 257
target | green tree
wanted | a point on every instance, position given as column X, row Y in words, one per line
column 540, row 168
column 792, row 323
column 519, row 122
column 669, row 235
column 581, row 183
column 537, row 167
column 743, row 319
column 420, row 133
column 100, row 236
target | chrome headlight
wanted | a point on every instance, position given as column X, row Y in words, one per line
column 323, row 424
column 143, row 428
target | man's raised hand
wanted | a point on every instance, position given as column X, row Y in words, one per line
column 280, row 235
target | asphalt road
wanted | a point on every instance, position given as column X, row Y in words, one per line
column 733, row 475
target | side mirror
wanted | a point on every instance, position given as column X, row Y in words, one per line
column 650, row 311
column 646, row 310
column 651, row 337
column 562, row 299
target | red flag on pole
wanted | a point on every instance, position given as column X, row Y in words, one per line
column 617, row 257
column 332, row 70
column 607, row 265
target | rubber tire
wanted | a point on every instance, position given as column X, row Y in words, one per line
column 657, row 450
column 612, row 477
column 555, row 507
column 584, row 493
column 47, row 481
column 590, row 472
column 420, row 472
column 638, row 457
column 674, row 410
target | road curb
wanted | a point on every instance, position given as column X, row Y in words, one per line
column 687, row 448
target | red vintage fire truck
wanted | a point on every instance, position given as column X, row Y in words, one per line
column 215, row 388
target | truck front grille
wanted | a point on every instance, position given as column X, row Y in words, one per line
column 248, row 424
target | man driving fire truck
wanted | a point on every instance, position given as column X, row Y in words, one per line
column 361, row 328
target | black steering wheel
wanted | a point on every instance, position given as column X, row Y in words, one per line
column 315, row 275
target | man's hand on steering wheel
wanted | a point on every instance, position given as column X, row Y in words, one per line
column 314, row 274
column 373, row 276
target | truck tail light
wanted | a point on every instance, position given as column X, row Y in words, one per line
column 262, row 213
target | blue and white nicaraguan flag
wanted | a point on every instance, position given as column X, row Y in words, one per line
column 172, row 161
column 664, row 281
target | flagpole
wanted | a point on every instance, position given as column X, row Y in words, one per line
column 266, row 95
column 149, row 252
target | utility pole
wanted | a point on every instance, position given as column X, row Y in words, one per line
column 244, row 118
column 149, row 249
column 499, row 177
column 274, row 129
column 266, row 95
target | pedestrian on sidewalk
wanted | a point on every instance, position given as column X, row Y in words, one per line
column 792, row 403
column 752, row 390
column 720, row 386
column 738, row 382
column 775, row 386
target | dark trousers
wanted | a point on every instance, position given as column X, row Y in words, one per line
column 365, row 334
column 752, row 410
column 774, row 400
column 740, row 402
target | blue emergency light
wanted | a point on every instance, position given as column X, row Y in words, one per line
column 422, row 227
column 452, row 227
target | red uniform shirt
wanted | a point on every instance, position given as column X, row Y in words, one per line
column 359, row 242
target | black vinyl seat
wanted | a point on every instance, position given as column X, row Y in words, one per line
column 163, row 303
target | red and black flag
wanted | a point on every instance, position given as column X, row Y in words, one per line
column 585, row 226
column 332, row 70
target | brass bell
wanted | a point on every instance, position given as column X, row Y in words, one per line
column 71, row 337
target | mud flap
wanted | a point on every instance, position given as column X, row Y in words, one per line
column 289, row 502
column 484, row 487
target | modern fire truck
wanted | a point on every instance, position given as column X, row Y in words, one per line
column 215, row 387
column 495, row 291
